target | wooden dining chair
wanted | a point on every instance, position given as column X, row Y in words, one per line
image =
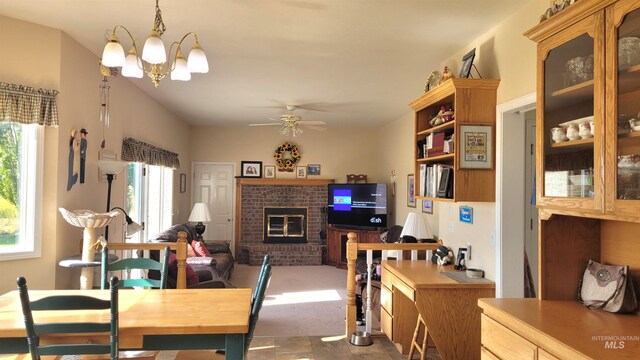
column 82, row 331
column 129, row 264
column 256, row 304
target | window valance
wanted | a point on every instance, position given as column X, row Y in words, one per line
column 26, row 105
column 139, row 151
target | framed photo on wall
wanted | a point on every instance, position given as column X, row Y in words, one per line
column 183, row 183
column 251, row 169
column 427, row 206
column 301, row 172
column 313, row 169
column 476, row 149
column 269, row 171
column 411, row 190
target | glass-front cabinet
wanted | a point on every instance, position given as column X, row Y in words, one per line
column 623, row 85
column 571, row 65
column 588, row 159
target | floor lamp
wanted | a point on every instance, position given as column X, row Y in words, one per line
column 110, row 168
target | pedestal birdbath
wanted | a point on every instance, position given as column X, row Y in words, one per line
column 90, row 221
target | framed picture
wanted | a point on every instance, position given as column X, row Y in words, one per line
column 467, row 61
column 183, row 182
column 313, row 169
column 269, row 171
column 411, row 190
column 427, row 206
column 466, row 214
column 476, row 150
column 251, row 169
column 301, row 172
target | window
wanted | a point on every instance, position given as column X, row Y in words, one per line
column 149, row 198
column 20, row 190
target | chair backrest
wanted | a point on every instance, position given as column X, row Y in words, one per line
column 129, row 264
column 258, row 298
column 69, row 304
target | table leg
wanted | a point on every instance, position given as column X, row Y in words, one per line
column 234, row 347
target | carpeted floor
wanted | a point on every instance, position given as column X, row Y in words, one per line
column 300, row 300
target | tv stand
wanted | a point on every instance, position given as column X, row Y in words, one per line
column 337, row 242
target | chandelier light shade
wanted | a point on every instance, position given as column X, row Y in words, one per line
column 155, row 61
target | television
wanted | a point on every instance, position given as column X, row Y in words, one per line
column 357, row 205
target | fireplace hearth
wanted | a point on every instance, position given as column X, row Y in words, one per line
column 285, row 225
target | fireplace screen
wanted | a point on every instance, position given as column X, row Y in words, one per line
column 285, row 225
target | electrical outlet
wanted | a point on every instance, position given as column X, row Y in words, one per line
column 452, row 226
column 468, row 251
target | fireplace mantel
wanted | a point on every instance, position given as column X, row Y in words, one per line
column 283, row 182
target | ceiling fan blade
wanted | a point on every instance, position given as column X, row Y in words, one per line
column 265, row 124
column 312, row 122
column 316, row 128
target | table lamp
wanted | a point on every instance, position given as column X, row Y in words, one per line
column 415, row 227
column 110, row 168
column 200, row 213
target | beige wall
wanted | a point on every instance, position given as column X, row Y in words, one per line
column 58, row 62
column 338, row 151
column 502, row 53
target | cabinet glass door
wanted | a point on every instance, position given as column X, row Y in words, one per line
column 628, row 108
column 624, row 112
column 568, row 131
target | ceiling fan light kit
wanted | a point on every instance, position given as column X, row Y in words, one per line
column 154, row 56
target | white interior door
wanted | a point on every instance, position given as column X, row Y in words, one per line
column 213, row 185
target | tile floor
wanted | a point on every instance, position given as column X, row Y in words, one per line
column 319, row 348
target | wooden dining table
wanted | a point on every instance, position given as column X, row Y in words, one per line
column 174, row 319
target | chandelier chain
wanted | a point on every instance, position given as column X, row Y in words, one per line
column 158, row 24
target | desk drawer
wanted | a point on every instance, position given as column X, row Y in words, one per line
column 386, row 278
column 504, row 343
column 405, row 289
column 386, row 323
column 386, row 300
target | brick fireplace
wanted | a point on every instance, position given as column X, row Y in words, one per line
column 253, row 196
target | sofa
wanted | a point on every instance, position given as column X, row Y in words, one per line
column 212, row 271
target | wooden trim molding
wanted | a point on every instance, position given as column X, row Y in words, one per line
column 283, row 182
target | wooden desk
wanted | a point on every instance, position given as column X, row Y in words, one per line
column 173, row 319
column 450, row 308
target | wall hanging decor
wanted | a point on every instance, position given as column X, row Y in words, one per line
column 287, row 156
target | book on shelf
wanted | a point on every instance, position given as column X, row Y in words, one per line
column 431, row 181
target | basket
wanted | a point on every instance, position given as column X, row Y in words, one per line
column 87, row 218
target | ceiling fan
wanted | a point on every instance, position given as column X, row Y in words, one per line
column 290, row 123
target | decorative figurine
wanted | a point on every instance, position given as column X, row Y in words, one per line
column 446, row 75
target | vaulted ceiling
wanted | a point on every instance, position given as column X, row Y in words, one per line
column 346, row 62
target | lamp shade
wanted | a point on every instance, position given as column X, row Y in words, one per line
column 111, row 167
column 197, row 61
column 113, row 54
column 132, row 65
column 415, row 226
column 200, row 213
column 153, row 51
column 180, row 71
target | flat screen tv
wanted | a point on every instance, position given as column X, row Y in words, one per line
column 357, row 205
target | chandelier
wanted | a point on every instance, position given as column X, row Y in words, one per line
column 154, row 57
